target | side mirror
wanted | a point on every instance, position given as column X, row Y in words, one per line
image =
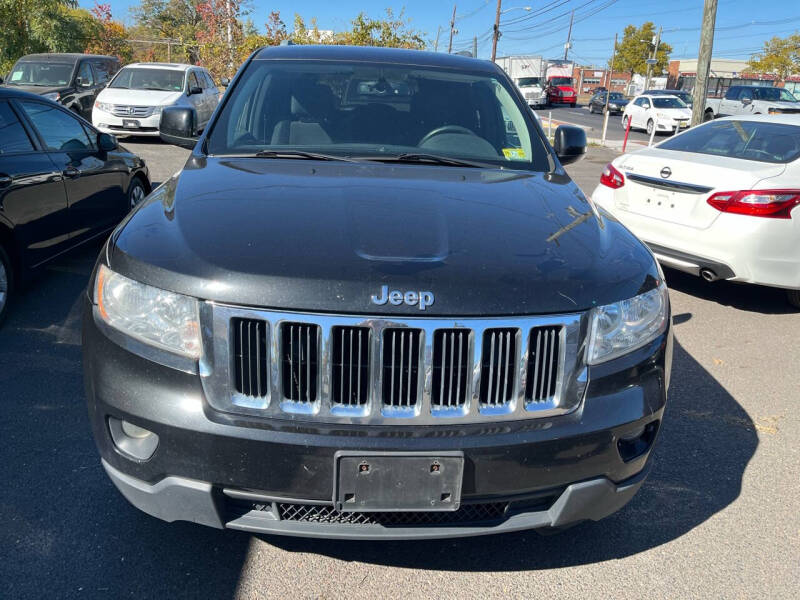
column 569, row 143
column 178, row 126
column 747, row 101
column 194, row 90
column 224, row 82
column 107, row 142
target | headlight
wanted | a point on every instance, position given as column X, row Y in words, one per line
column 104, row 106
column 616, row 329
column 612, row 105
column 156, row 317
column 663, row 116
column 157, row 110
column 52, row 96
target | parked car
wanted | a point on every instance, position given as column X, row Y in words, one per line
column 662, row 112
column 72, row 80
column 719, row 201
column 752, row 100
column 62, row 183
column 374, row 320
column 133, row 101
column 682, row 94
column 616, row 102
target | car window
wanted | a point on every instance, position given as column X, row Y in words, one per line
column 752, row 140
column 209, row 80
column 42, row 74
column 746, row 94
column 671, row 102
column 733, row 93
column 774, row 94
column 59, row 130
column 192, row 81
column 85, row 73
column 145, row 78
column 13, row 137
column 369, row 110
column 102, row 69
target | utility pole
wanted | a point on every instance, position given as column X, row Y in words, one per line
column 704, row 61
column 569, row 34
column 475, row 47
column 436, row 43
column 653, row 57
column 452, row 30
column 608, row 92
column 496, row 32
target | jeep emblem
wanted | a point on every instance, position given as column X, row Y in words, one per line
column 421, row 299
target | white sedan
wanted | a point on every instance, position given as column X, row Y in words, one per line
column 662, row 112
column 719, row 200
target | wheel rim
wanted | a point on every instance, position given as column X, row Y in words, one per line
column 137, row 195
column 649, row 127
column 3, row 286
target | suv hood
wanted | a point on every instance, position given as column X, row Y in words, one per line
column 38, row 89
column 326, row 236
column 137, row 97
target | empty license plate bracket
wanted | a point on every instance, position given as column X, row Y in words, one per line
column 397, row 481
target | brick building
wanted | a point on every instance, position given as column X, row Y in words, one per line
column 724, row 73
column 588, row 78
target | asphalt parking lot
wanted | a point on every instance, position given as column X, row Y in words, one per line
column 593, row 124
column 717, row 518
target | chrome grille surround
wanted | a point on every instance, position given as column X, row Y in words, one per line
column 216, row 368
column 136, row 112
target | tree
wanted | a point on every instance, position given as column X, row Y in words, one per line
column 392, row 31
column 780, row 56
column 110, row 37
column 167, row 20
column 636, row 47
column 30, row 26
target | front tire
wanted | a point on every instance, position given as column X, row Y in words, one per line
column 650, row 126
column 6, row 283
column 136, row 193
column 708, row 116
column 793, row 296
column 625, row 120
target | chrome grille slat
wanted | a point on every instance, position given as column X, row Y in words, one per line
column 126, row 110
column 543, row 363
column 465, row 370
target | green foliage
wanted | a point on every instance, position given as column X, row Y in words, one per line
column 635, row 48
column 30, row 26
column 392, row 31
column 780, row 56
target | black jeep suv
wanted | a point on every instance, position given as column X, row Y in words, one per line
column 373, row 304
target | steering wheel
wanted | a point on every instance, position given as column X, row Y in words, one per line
column 445, row 129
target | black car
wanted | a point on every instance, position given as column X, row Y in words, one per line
column 375, row 311
column 682, row 94
column 62, row 183
column 73, row 80
column 616, row 102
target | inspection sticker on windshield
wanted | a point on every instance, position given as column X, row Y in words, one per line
column 514, row 153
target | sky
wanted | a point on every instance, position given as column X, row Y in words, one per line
column 740, row 30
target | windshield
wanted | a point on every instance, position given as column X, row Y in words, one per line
column 41, row 74
column 751, row 140
column 529, row 81
column 134, row 78
column 672, row 102
column 375, row 111
column 615, row 96
column 566, row 81
column 774, row 94
column 687, row 98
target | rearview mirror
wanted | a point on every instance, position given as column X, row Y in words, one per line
column 569, row 143
column 107, row 142
column 178, row 126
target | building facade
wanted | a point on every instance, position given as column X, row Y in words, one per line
column 588, row 78
column 724, row 73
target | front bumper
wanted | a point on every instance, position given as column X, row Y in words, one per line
column 276, row 476
column 109, row 123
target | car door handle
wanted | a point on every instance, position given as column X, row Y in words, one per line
column 71, row 172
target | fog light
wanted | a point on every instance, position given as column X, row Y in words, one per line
column 634, row 444
column 132, row 441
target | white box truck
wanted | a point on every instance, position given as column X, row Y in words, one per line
column 528, row 72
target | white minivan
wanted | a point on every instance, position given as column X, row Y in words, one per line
column 133, row 101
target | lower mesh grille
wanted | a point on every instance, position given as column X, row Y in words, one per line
column 468, row 513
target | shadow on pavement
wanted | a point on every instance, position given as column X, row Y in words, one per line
column 66, row 531
column 705, row 444
column 743, row 296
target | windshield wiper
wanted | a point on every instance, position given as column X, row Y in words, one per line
column 435, row 159
column 301, row 154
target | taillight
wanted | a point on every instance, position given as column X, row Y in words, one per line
column 774, row 204
column 612, row 178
